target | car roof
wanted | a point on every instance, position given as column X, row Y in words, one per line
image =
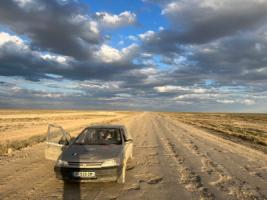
column 106, row 126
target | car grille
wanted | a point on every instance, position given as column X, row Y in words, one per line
column 85, row 164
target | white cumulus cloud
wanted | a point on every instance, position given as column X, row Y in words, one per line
column 114, row 21
column 147, row 35
column 109, row 54
column 6, row 38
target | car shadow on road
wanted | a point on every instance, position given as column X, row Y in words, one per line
column 75, row 190
column 91, row 190
column 71, row 190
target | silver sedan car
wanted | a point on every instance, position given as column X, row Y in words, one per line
column 98, row 153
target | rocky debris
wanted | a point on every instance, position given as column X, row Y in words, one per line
column 134, row 186
column 154, row 180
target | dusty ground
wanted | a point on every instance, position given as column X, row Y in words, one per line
column 246, row 128
column 173, row 160
column 18, row 125
column 22, row 128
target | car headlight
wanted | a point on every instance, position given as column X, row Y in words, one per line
column 110, row 163
column 62, row 163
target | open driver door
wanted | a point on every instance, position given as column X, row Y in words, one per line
column 57, row 139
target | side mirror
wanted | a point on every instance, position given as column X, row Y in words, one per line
column 64, row 142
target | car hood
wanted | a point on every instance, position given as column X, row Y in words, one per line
column 91, row 153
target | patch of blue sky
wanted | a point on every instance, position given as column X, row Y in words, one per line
column 148, row 18
column 54, row 76
column 209, row 82
column 231, row 89
column 5, row 29
column 63, row 86
column 9, row 31
column 8, row 79
column 161, row 65
column 45, row 85
column 154, row 60
column 122, row 34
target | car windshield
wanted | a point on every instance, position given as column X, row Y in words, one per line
column 99, row 136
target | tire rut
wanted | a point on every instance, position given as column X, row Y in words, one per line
column 217, row 175
column 186, row 176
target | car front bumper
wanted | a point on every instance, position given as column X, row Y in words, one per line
column 104, row 174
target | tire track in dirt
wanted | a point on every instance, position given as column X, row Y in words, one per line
column 148, row 178
column 161, row 165
column 219, row 176
column 190, row 179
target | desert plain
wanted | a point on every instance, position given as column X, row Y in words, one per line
column 176, row 155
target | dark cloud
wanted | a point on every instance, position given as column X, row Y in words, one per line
column 60, row 28
column 224, row 41
column 199, row 22
column 27, row 63
column 162, row 42
column 212, row 56
column 52, row 26
column 17, row 62
column 237, row 59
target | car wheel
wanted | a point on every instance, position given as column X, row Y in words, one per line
column 121, row 178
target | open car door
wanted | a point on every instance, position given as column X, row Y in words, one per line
column 57, row 139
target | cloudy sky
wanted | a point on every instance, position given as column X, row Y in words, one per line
column 173, row 55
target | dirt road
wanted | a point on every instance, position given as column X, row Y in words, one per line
column 171, row 161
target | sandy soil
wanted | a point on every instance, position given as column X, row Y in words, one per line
column 248, row 129
column 19, row 125
column 172, row 160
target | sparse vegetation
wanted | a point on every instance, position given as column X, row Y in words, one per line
column 17, row 145
column 248, row 127
column 23, row 128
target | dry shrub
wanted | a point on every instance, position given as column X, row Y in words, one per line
column 19, row 144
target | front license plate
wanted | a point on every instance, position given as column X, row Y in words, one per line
column 84, row 174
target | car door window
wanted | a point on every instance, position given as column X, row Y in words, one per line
column 56, row 139
column 57, row 135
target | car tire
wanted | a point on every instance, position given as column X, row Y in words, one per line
column 121, row 178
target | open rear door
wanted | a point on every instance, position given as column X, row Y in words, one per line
column 56, row 140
